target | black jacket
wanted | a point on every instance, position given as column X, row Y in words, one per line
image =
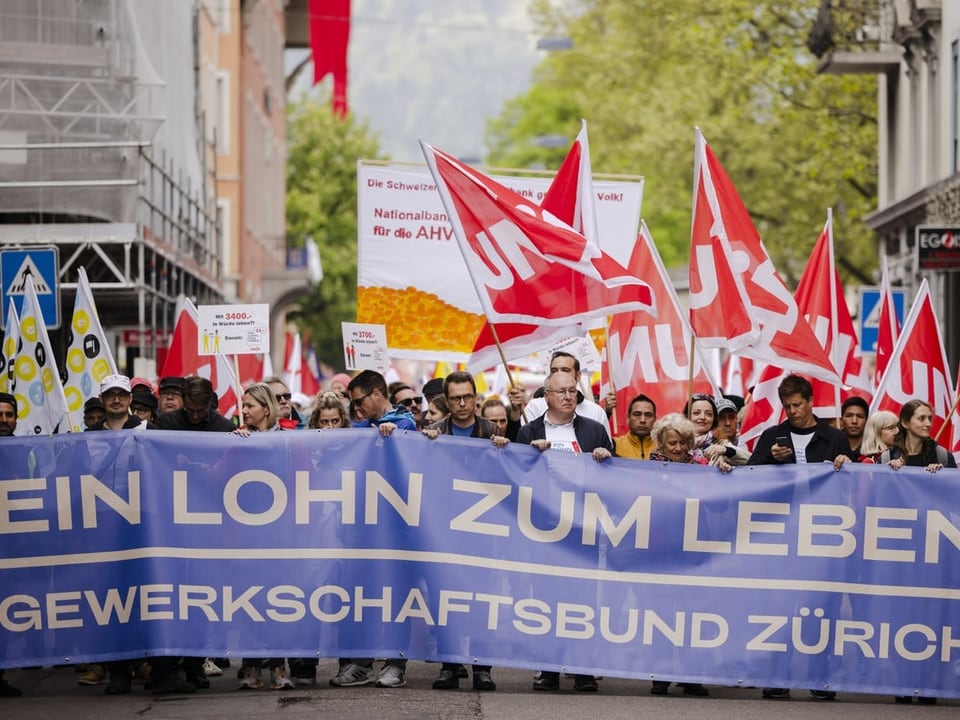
column 590, row 434
column 827, row 442
column 178, row 420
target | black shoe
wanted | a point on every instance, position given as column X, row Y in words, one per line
column 659, row 687
column 222, row 663
column 200, row 682
column 823, row 695
column 462, row 672
column 120, row 684
column 903, row 699
column 585, row 683
column 447, row 680
column 775, row 694
column 548, row 680
column 171, row 684
column 483, row 681
column 694, row 690
column 8, row 690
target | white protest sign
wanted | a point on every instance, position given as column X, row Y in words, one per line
column 365, row 347
column 411, row 276
column 582, row 348
column 233, row 329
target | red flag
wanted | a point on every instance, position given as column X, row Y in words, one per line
column 763, row 408
column 527, row 266
column 651, row 355
column 251, row 369
column 888, row 328
column 329, row 38
column 309, row 373
column 918, row 368
column 820, row 298
column 739, row 374
column 734, row 288
column 570, row 198
column 183, row 359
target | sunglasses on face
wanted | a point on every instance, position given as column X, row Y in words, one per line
column 283, row 396
column 410, row 402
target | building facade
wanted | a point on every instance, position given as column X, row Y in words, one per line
column 913, row 46
column 146, row 141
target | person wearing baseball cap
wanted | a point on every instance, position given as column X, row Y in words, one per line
column 171, row 394
column 115, row 395
column 93, row 412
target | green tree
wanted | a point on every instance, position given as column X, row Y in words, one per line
column 322, row 155
column 644, row 73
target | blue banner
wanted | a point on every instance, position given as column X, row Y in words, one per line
column 344, row 543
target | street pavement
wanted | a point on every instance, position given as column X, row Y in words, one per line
column 53, row 693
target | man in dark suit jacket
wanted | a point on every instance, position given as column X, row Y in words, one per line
column 560, row 428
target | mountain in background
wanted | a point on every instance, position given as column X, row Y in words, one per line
column 437, row 70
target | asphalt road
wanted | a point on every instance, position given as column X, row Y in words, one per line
column 53, row 693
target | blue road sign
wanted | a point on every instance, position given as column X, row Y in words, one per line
column 43, row 265
column 870, row 315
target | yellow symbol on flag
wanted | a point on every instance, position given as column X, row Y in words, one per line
column 81, row 321
column 28, row 329
column 101, row 368
column 75, row 360
column 25, row 368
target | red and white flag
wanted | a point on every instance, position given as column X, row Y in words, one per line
column 183, row 359
column 571, row 199
column 737, row 298
column 763, row 408
column 888, row 328
column 651, row 355
column 820, row 298
column 528, row 266
column 739, row 375
column 918, row 368
column 292, row 362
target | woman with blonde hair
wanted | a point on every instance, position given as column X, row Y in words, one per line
column 329, row 412
column 259, row 410
column 879, row 434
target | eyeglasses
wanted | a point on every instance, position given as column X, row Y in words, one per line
column 890, row 427
column 566, row 392
column 459, row 399
column 114, row 395
column 411, row 401
column 283, row 396
column 357, row 402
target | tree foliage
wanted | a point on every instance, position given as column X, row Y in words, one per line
column 322, row 155
column 644, row 73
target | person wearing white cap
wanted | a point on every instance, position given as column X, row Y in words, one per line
column 115, row 395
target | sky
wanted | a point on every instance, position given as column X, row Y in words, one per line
column 434, row 70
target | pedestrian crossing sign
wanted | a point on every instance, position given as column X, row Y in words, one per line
column 43, row 265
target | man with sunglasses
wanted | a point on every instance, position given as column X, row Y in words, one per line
column 370, row 400
column 288, row 412
column 404, row 395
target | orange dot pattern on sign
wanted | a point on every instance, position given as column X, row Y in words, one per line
column 418, row 319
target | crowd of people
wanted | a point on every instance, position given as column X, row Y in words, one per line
column 559, row 417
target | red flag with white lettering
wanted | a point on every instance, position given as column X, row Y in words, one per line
column 651, row 355
column 820, row 298
column 888, row 329
column 528, row 266
column 918, row 368
column 183, row 360
column 570, row 198
column 734, row 288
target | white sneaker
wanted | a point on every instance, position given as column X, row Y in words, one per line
column 252, row 679
column 279, row 679
column 353, row 674
column 391, row 676
column 210, row 668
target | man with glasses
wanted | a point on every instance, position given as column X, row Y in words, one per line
column 564, row 362
column 561, row 428
column 287, row 411
column 370, row 400
column 460, row 390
